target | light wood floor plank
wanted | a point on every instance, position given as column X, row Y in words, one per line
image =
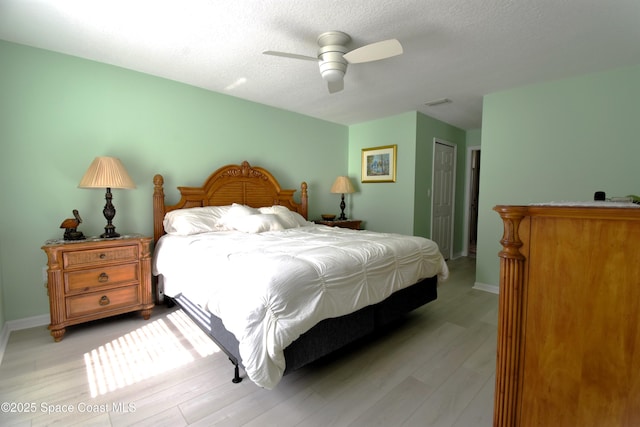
column 479, row 412
column 444, row 406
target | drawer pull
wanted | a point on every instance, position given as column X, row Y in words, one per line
column 104, row 300
column 103, row 277
column 103, row 256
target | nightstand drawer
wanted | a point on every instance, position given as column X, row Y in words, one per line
column 72, row 259
column 84, row 280
column 85, row 304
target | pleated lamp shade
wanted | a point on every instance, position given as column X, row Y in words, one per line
column 106, row 172
column 342, row 185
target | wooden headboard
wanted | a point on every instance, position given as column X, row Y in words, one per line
column 245, row 184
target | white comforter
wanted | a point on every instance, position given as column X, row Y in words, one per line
column 269, row 288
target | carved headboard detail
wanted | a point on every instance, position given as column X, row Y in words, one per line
column 244, row 184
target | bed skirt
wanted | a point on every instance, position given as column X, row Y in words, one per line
column 327, row 336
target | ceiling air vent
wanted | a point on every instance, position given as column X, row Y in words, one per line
column 437, row 102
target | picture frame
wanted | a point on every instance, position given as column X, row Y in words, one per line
column 379, row 164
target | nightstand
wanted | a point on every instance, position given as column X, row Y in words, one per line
column 96, row 278
column 345, row 223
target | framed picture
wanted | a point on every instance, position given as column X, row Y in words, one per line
column 379, row 164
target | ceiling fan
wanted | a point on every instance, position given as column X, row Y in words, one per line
column 333, row 57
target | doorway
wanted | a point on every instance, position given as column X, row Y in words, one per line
column 472, row 197
column 443, row 196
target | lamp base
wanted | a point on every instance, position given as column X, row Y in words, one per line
column 109, row 233
column 109, row 212
column 342, row 216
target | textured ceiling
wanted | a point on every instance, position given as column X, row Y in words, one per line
column 456, row 49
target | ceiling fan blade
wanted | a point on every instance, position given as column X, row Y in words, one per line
column 290, row 55
column 374, row 51
column 335, row 86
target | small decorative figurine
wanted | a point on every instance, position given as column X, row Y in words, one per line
column 70, row 225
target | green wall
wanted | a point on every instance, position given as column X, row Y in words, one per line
column 385, row 206
column 405, row 205
column 558, row 141
column 59, row 112
column 473, row 138
column 428, row 130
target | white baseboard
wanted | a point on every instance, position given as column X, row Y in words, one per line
column 4, row 339
column 494, row 289
column 16, row 325
column 28, row 322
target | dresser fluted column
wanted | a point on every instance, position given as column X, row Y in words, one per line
column 512, row 274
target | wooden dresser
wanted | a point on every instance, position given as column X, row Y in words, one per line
column 97, row 278
column 569, row 317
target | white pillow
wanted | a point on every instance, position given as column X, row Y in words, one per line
column 189, row 221
column 257, row 223
column 239, row 210
column 287, row 217
column 235, row 211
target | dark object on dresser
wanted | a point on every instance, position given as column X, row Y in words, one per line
column 70, row 225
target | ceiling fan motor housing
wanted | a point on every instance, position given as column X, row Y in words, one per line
column 332, row 64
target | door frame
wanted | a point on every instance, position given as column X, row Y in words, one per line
column 453, row 189
column 467, row 198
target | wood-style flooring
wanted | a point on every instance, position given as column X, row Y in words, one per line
column 436, row 368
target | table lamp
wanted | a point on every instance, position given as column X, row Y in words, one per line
column 107, row 172
column 342, row 185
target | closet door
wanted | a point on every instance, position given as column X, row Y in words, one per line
column 444, row 172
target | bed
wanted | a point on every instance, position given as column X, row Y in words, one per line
column 273, row 290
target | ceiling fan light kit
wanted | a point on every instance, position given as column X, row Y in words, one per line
column 331, row 71
column 333, row 56
column 332, row 64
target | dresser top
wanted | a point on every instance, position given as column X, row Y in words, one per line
column 52, row 242
column 593, row 203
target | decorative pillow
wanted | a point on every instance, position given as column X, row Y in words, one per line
column 189, row 221
column 287, row 217
column 257, row 223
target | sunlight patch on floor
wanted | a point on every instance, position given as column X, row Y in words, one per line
column 145, row 352
column 198, row 339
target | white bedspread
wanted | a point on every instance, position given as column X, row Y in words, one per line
column 269, row 288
